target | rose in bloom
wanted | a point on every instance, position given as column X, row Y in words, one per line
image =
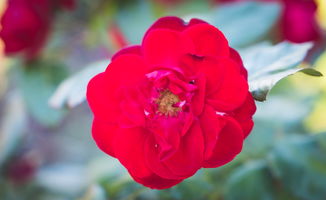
column 26, row 25
column 172, row 105
column 299, row 23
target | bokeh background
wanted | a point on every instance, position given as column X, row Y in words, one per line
column 50, row 48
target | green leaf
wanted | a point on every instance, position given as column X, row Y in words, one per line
column 267, row 64
column 38, row 81
column 299, row 163
column 250, row 181
column 72, row 91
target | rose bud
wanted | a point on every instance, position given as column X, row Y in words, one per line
column 174, row 104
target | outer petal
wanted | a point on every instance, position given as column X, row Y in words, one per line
column 211, row 124
column 152, row 153
column 136, row 49
column 156, row 182
column 185, row 162
column 173, row 23
column 189, row 158
column 129, row 149
column 164, row 48
column 247, row 109
column 229, row 144
column 101, row 99
column 208, row 40
column 234, row 55
column 232, row 92
column 103, row 133
column 247, row 127
column 244, row 114
column 103, row 90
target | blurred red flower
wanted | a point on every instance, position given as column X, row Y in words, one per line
column 175, row 103
column 26, row 25
column 298, row 22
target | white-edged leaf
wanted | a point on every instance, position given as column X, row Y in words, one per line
column 268, row 64
column 72, row 91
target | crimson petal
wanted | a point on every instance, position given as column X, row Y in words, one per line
column 229, row 144
column 103, row 133
column 208, row 40
column 163, row 47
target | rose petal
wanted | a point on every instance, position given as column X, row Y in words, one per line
column 247, row 109
column 129, row 149
column 152, row 153
column 233, row 90
column 229, row 144
column 211, row 124
column 156, row 182
column 103, row 133
column 103, row 90
column 136, row 49
column 246, row 127
column 173, row 23
column 163, row 47
column 234, row 55
column 101, row 99
column 188, row 159
column 208, row 40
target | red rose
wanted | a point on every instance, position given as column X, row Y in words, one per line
column 25, row 25
column 172, row 105
column 299, row 22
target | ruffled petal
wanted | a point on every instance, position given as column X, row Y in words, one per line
column 129, row 149
column 156, row 182
column 211, row 124
column 189, row 158
column 246, row 110
column 173, row 23
column 136, row 49
column 104, row 90
column 164, row 48
column 247, row 127
column 183, row 163
column 234, row 55
column 103, row 134
column 101, row 99
column 229, row 144
column 208, row 40
column 244, row 114
column 232, row 92
column 152, row 153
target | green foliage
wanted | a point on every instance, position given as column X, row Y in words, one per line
column 250, row 182
column 299, row 163
column 267, row 65
column 37, row 82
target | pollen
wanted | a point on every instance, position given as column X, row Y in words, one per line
column 167, row 103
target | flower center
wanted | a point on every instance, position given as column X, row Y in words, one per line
column 167, row 103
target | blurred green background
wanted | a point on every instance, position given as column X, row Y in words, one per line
column 46, row 149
